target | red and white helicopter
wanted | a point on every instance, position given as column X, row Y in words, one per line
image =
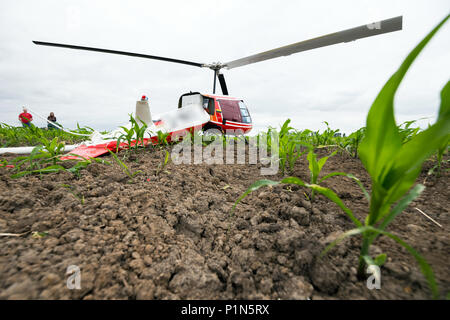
column 212, row 111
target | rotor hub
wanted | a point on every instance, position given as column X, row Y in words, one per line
column 216, row 66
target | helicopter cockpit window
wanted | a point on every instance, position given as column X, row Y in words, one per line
column 190, row 99
column 244, row 112
column 208, row 105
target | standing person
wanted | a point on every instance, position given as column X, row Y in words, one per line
column 25, row 118
column 52, row 120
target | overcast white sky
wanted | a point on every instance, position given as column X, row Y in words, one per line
column 335, row 84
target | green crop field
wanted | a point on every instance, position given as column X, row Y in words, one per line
column 151, row 198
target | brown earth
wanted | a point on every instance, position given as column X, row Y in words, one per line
column 171, row 236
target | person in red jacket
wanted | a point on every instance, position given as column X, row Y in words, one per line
column 25, row 118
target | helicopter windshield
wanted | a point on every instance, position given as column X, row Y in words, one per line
column 244, row 112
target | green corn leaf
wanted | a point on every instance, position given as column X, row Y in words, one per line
column 294, row 180
column 380, row 259
column 313, row 166
column 166, row 159
column 20, row 174
column 326, row 192
column 394, row 168
column 136, row 173
column 255, row 186
column 382, row 140
column 401, row 205
column 99, row 161
column 330, row 194
column 424, row 144
column 50, row 169
column 351, row 176
column 123, row 165
column 79, row 166
column 369, row 261
column 408, row 161
column 343, row 236
column 444, row 110
column 424, row 266
column 285, row 128
column 323, row 160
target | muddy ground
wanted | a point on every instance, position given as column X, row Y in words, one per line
column 170, row 235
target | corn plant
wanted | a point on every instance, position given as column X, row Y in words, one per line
column 124, row 167
column 40, row 156
column 83, row 130
column 290, row 144
column 139, row 131
column 325, row 138
column 17, row 136
column 443, row 148
column 48, row 153
column 393, row 168
column 52, row 148
column 406, row 131
column 83, row 164
column 354, row 139
column 162, row 138
column 163, row 164
column 57, row 168
column 285, row 143
column 127, row 136
column 315, row 167
column 133, row 134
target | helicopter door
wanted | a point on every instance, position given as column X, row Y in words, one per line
column 230, row 110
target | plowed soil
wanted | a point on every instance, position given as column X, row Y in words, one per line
column 170, row 235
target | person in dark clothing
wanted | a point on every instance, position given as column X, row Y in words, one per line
column 52, row 120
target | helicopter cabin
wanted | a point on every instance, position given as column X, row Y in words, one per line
column 225, row 113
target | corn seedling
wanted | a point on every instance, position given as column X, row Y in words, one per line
column 406, row 131
column 37, row 162
column 442, row 150
column 284, row 144
column 289, row 145
column 52, row 148
column 354, row 140
column 135, row 133
column 162, row 138
column 164, row 163
column 127, row 136
column 393, row 168
column 139, row 131
column 315, row 167
column 124, row 167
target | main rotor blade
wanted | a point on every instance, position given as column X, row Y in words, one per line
column 139, row 55
column 373, row 29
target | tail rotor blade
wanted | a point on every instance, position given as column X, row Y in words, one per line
column 373, row 29
column 132, row 54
